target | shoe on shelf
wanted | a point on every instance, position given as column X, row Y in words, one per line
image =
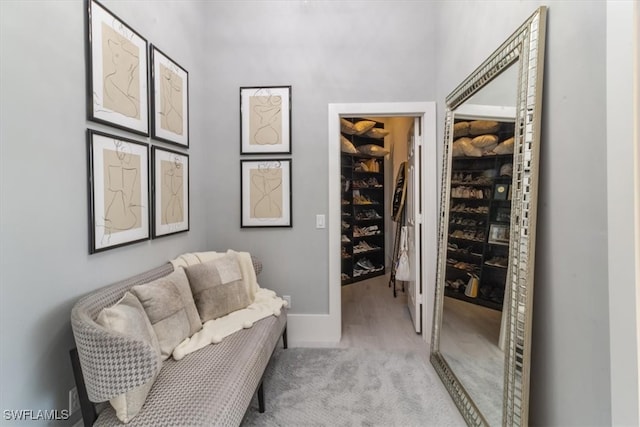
column 366, row 264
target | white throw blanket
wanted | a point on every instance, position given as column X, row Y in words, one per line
column 265, row 304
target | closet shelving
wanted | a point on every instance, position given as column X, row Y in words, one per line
column 479, row 221
column 363, row 210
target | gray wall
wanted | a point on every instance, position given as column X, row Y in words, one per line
column 570, row 360
column 45, row 265
column 329, row 52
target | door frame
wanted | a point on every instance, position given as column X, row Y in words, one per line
column 426, row 111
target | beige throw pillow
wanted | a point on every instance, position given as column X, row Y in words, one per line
column 347, row 127
column 377, row 133
column 460, row 129
column 218, row 288
column 170, row 307
column 505, row 147
column 481, row 127
column 373, row 150
column 346, row 146
column 468, row 148
column 128, row 317
column 457, row 149
column 484, row 141
column 363, row 126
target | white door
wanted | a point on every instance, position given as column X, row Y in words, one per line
column 414, row 222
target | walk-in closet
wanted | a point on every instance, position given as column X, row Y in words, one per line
column 373, row 158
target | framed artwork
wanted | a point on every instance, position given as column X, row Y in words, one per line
column 169, row 100
column 501, row 192
column 118, row 191
column 170, row 192
column 117, row 72
column 265, row 120
column 266, row 193
column 499, row 234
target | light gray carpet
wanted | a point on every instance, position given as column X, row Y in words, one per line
column 352, row 387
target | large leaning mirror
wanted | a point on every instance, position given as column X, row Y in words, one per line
column 481, row 340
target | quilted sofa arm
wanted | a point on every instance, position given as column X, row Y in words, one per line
column 112, row 363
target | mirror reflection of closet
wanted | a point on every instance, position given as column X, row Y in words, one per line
column 482, row 316
column 472, row 334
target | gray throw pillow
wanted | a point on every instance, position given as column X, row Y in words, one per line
column 170, row 307
column 128, row 317
column 218, row 288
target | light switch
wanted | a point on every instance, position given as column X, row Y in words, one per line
column 320, row 221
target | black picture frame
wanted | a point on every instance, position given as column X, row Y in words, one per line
column 499, row 234
column 265, row 120
column 266, row 195
column 170, row 192
column 501, row 192
column 117, row 91
column 169, row 99
column 118, row 190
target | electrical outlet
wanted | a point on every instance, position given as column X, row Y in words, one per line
column 287, row 298
column 74, row 401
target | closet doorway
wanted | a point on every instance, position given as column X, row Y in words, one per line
column 414, row 143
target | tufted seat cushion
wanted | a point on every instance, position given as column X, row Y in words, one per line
column 212, row 386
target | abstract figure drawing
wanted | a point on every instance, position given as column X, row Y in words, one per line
column 266, row 119
column 171, row 101
column 121, row 84
column 122, row 200
column 172, row 198
column 266, row 192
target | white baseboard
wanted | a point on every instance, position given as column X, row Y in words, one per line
column 312, row 330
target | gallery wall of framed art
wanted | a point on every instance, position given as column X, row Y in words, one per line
column 138, row 188
column 265, row 183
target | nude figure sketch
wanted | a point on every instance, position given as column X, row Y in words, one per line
column 265, row 121
column 171, row 101
column 122, row 197
column 266, row 191
column 120, row 71
column 171, row 196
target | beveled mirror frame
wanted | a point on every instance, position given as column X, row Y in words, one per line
column 526, row 47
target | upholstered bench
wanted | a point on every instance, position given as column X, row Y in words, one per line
column 212, row 386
